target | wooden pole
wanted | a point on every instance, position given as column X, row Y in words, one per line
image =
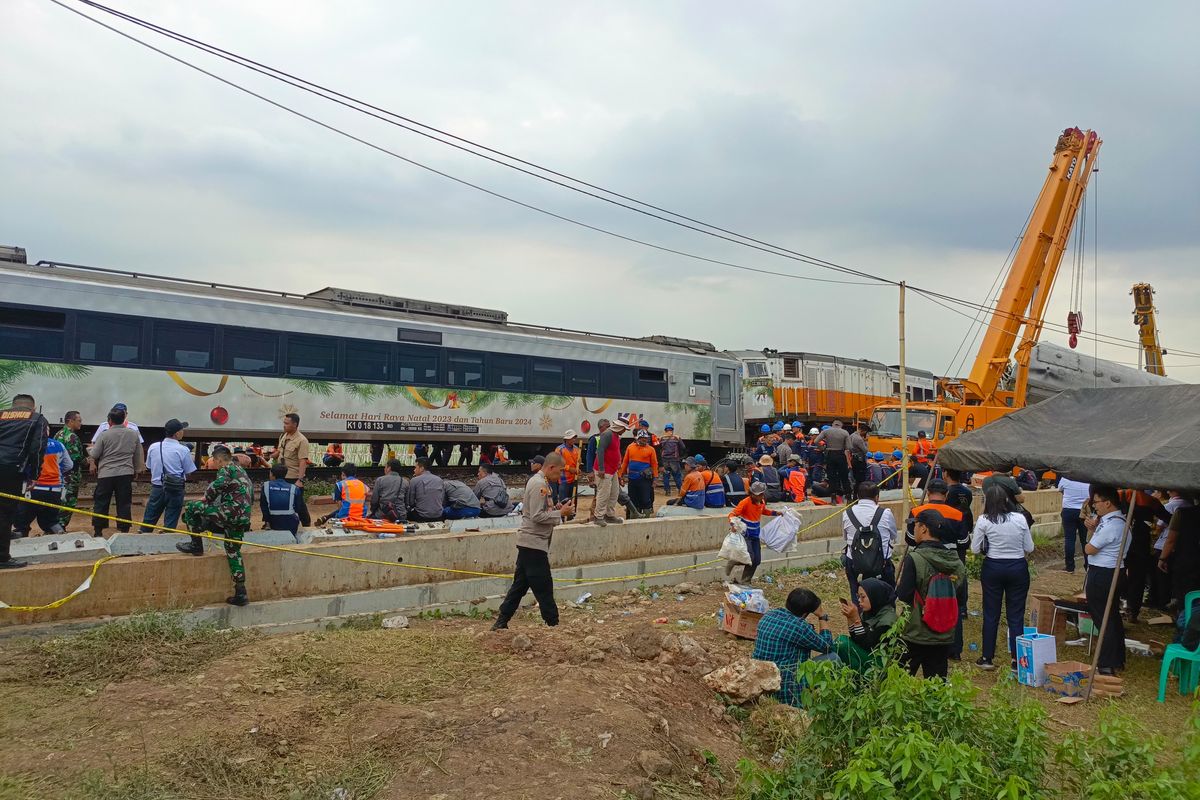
column 1112, row 591
column 905, row 507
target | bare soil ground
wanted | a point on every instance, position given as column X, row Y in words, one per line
column 595, row 708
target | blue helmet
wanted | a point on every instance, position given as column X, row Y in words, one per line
column 795, row 423
column 877, row 455
column 699, row 458
column 778, row 426
column 897, row 454
column 765, row 428
column 826, row 427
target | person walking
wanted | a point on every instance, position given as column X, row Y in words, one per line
column 47, row 487
column 1106, row 556
column 117, row 457
column 387, row 494
column 539, row 515
column 639, row 468
column 837, row 459
column 224, row 512
column 1002, row 536
column 930, row 576
column 424, row 494
column 751, row 511
column 24, row 436
column 564, row 489
column 673, row 451
column 606, row 472
column 169, row 462
column 277, row 498
column 292, row 452
column 1074, row 496
column 69, row 436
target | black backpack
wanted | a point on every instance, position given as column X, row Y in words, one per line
column 866, row 549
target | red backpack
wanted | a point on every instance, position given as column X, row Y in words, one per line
column 939, row 606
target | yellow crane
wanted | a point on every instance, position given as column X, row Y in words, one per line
column 1143, row 317
column 1017, row 319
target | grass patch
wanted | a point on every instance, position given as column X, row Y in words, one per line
column 145, row 644
column 475, row 612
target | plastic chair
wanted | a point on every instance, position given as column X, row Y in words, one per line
column 1188, row 660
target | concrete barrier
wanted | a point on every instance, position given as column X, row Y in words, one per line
column 174, row 581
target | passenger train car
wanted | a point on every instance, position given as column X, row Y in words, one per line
column 817, row 388
column 356, row 366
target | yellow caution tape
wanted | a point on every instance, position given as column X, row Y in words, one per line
column 83, row 587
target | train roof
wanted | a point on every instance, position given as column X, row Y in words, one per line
column 344, row 301
column 768, row 353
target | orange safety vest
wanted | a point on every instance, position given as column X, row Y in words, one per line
column 922, row 452
column 354, row 499
column 334, row 450
column 796, row 483
column 571, row 458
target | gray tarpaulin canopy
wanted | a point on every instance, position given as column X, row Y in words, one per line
column 1139, row 437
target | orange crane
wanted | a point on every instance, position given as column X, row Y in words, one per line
column 1016, row 321
column 1143, row 317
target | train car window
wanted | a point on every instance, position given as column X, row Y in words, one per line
column 584, row 379
column 791, row 368
column 183, row 346
column 652, row 384
column 464, row 368
column 546, row 377
column 618, row 381
column 506, row 373
column 368, row 361
column 420, row 337
column 896, row 387
column 250, row 351
column 419, row 366
column 724, row 389
column 29, row 333
column 756, row 369
column 108, row 340
column 312, row 357
column 701, row 379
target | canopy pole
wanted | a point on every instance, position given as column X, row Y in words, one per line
column 1112, row 591
column 905, row 506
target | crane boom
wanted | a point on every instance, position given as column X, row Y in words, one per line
column 1143, row 317
column 1023, row 300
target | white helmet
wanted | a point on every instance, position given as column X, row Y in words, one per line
column 787, row 427
column 813, row 431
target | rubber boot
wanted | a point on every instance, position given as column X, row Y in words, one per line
column 195, row 547
column 239, row 594
column 500, row 624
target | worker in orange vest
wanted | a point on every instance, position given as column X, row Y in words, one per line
column 564, row 489
column 922, row 455
column 351, row 496
column 795, row 482
column 333, row 456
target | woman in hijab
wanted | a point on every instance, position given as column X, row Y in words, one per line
column 868, row 620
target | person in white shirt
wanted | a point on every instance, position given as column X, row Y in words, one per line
column 1108, row 532
column 1159, row 590
column 862, row 514
column 1003, row 537
column 1074, row 497
column 170, row 462
column 127, row 424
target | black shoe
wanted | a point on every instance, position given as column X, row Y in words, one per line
column 190, row 548
column 12, row 563
column 500, row 625
column 239, row 595
column 1107, row 671
column 955, row 656
column 985, row 664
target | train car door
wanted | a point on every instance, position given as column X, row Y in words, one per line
column 726, row 426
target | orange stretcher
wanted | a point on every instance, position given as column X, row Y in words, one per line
column 374, row 526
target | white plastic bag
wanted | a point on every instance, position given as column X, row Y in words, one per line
column 779, row 533
column 734, row 548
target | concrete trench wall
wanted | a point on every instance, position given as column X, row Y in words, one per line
column 135, row 583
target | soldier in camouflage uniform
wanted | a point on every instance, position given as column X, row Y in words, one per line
column 69, row 436
column 224, row 511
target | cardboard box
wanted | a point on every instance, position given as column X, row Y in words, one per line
column 1042, row 615
column 739, row 622
column 1034, row 652
column 1068, row 678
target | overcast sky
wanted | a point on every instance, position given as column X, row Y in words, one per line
column 904, row 139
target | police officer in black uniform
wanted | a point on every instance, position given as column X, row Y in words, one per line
column 23, row 435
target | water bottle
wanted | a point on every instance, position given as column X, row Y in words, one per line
column 973, row 647
column 720, row 616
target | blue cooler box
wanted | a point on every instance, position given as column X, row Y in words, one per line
column 1034, row 651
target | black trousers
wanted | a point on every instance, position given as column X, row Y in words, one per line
column 641, row 493
column 47, row 518
column 1158, row 595
column 301, row 506
column 932, row 659
column 1095, row 586
column 837, row 472
column 1007, row 580
column 1138, row 566
column 10, row 483
column 120, row 487
column 532, row 572
column 858, row 465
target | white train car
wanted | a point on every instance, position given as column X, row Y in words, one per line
column 356, row 366
column 1054, row 369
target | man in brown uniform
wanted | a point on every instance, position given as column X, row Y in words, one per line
column 292, row 452
column 539, row 515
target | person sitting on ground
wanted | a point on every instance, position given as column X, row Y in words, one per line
column 278, row 499
column 868, row 621
column 735, row 484
column 387, row 494
column 691, row 492
column 459, row 502
column 751, row 511
column 492, row 493
column 351, row 496
column 795, row 482
column 768, row 476
column 242, row 458
column 788, row 637
column 424, row 495
column 333, row 456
